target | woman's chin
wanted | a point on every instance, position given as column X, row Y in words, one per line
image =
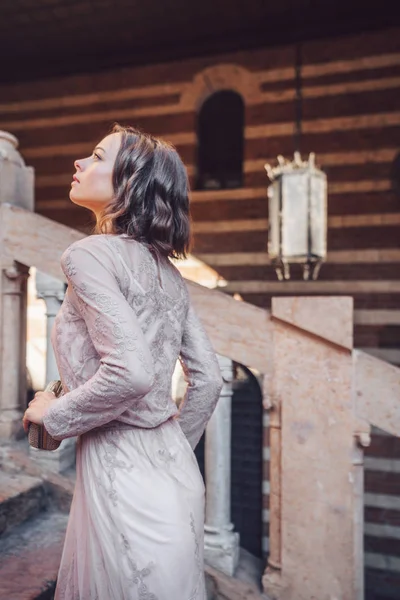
column 74, row 198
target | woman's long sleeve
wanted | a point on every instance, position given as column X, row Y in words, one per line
column 126, row 369
column 203, row 375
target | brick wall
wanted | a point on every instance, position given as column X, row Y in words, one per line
column 351, row 90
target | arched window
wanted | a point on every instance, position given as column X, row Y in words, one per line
column 220, row 141
column 395, row 174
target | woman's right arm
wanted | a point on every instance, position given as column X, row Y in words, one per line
column 203, row 375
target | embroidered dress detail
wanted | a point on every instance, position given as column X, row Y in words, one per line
column 136, row 524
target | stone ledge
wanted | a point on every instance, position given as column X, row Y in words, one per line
column 30, row 556
column 15, row 460
column 223, row 587
column 21, row 498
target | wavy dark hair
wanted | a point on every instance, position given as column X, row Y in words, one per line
column 151, row 201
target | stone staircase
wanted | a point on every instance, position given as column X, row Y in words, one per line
column 34, row 508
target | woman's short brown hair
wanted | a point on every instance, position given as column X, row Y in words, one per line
column 151, row 195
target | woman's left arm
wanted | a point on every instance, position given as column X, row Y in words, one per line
column 126, row 368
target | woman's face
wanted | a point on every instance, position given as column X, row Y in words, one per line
column 92, row 183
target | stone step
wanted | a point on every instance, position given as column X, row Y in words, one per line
column 244, row 585
column 223, row 587
column 30, row 556
column 21, row 498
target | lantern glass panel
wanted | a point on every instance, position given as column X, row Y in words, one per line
column 274, row 220
column 295, row 189
column 318, row 214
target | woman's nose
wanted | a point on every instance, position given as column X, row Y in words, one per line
column 77, row 165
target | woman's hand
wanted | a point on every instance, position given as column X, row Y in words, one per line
column 37, row 408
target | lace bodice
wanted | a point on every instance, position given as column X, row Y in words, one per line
column 125, row 320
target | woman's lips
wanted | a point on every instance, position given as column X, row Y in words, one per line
column 74, row 180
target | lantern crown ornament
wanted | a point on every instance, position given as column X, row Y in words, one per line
column 297, row 198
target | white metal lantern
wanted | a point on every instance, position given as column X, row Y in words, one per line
column 297, row 216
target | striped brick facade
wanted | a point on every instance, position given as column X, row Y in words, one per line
column 351, row 119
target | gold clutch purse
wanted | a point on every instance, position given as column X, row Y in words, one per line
column 37, row 434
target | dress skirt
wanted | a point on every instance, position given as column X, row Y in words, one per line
column 135, row 530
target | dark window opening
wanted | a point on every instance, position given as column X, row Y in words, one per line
column 220, row 142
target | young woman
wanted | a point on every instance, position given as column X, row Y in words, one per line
column 135, row 530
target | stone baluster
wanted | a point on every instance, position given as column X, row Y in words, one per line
column 51, row 290
column 23, row 320
column 16, row 188
column 13, row 387
column 221, row 543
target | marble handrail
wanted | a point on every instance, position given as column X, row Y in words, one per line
column 34, row 240
column 377, row 392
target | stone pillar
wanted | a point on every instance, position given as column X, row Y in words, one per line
column 51, row 290
column 16, row 188
column 221, row 543
column 362, row 440
column 12, row 381
column 272, row 576
column 23, row 311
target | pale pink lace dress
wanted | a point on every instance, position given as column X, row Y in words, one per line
column 136, row 524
